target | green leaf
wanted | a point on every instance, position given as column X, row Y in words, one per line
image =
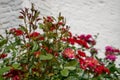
column 36, row 14
column 16, row 66
column 41, row 26
column 23, row 28
column 1, row 78
column 71, row 65
column 17, row 41
column 46, row 57
column 1, row 36
column 64, row 72
column 72, row 78
column 112, row 67
column 5, row 69
column 118, row 70
column 35, row 46
column 2, row 42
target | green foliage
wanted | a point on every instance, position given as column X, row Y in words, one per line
column 71, row 65
column 2, row 42
column 46, row 57
column 65, row 72
column 4, row 69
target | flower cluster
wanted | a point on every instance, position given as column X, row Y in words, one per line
column 16, row 32
column 111, row 53
column 2, row 56
column 45, row 49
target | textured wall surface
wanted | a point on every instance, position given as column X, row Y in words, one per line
column 9, row 11
column 83, row 16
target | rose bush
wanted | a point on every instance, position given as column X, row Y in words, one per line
column 45, row 49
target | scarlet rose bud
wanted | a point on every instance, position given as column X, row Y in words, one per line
column 2, row 56
column 93, row 42
column 93, row 51
column 27, row 45
column 18, row 32
column 49, row 19
column 60, row 23
column 42, row 38
column 56, row 54
column 34, row 34
column 37, row 53
column 38, row 19
column 12, row 30
column 70, row 34
column 21, row 17
column 52, row 28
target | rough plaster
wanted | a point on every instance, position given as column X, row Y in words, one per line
column 83, row 16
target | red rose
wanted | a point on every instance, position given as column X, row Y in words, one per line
column 2, row 56
column 17, row 32
column 81, row 53
column 49, row 19
column 34, row 34
column 69, row 53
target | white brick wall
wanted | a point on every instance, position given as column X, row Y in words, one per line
column 84, row 16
